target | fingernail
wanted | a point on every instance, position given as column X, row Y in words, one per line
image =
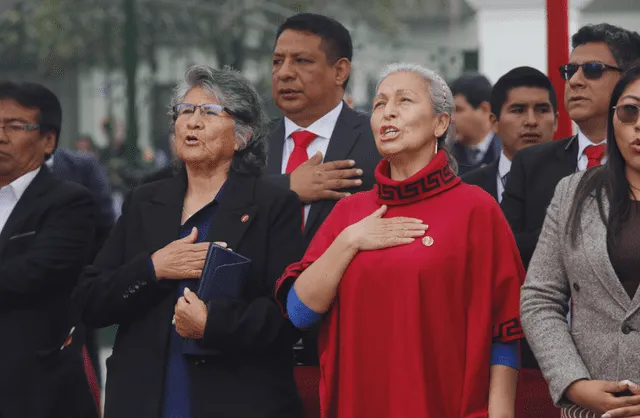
column 606, row 416
column 633, row 386
column 352, row 162
column 348, row 194
column 358, row 182
column 360, row 172
column 186, row 290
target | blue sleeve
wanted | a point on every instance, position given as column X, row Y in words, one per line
column 300, row 314
column 507, row 354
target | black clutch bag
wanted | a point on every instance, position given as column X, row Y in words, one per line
column 224, row 276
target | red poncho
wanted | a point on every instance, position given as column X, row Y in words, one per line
column 410, row 332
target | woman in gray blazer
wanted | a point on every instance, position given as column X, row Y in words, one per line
column 588, row 261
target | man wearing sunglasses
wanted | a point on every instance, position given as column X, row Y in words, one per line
column 46, row 233
column 600, row 53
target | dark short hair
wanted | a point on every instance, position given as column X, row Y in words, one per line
column 336, row 40
column 623, row 44
column 476, row 88
column 520, row 77
column 36, row 96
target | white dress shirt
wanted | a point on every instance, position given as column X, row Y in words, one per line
column 583, row 143
column 504, row 166
column 323, row 128
column 11, row 194
column 480, row 150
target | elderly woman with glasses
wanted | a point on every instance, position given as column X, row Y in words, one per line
column 146, row 277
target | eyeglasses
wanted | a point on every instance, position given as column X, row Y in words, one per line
column 211, row 109
column 628, row 113
column 591, row 70
column 17, row 128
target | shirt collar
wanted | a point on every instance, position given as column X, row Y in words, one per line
column 20, row 185
column 584, row 142
column 323, row 127
column 485, row 144
column 504, row 165
column 49, row 162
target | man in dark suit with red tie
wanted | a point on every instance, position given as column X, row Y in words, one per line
column 600, row 53
column 46, row 232
column 321, row 149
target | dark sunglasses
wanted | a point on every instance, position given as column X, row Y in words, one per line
column 591, row 70
column 628, row 113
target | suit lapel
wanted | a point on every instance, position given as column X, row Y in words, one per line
column 594, row 244
column 345, row 136
column 40, row 186
column 492, row 178
column 495, row 148
column 276, row 148
column 567, row 155
column 162, row 214
column 236, row 212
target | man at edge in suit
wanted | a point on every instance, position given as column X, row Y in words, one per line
column 83, row 168
column 524, row 112
column 476, row 144
column 321, row 149
column 46, row 232
column 600, row 53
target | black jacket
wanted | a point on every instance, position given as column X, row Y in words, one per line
column 459, row 152
column 485, row 177
column 535, row 173
column 43, row 247
column 253, row 375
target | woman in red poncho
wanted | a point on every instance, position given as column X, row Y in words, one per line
column 416, row 282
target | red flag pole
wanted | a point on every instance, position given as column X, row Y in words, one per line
column 557, row 55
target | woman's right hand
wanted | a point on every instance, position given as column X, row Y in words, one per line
column 599, row 395
column 181, row 259
column 375, row 233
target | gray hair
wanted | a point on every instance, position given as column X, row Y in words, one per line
column 439, row 92
column 236, row 93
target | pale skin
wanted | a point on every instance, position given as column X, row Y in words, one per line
column 207, row 161
column 306, row 85
column 402, row 101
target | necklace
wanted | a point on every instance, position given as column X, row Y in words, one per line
column 186, row 213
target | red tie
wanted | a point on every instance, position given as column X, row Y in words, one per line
column 595, row 153
column 301, row 139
